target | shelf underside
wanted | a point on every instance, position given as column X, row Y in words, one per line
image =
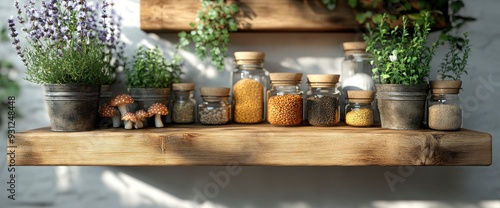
column 262, row 145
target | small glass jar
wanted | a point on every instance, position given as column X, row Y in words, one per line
column 285, row 100
column 359, row 110
column 322, row 100
column 249, row 81
column 183, row 104
column 445, row 107
column 215, row 108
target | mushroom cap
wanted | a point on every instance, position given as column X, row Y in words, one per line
column 141, row 115
column 107, row 111
column 158, row 108
column 129, row 117
column 121, row 99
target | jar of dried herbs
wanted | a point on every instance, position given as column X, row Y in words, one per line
column 359, row 110
column 249, row 81
column 323, row 100
column 285, row 101
column 215, row 108
column 183, row 104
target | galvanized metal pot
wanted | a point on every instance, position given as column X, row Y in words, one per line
column 145, row 97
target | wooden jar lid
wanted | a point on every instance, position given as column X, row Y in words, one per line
column 183, row 86
column 285, row 78
column 249, row 57
column 445, row 86
column 214, row 91
column 323, row 80
column 360, row 96
column 350, row 47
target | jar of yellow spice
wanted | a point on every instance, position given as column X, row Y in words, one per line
column 359, row 110
column 249, row 81
column 285, row 99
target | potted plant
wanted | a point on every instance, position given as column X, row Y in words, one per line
column 210, row 35
column 66, row 49
column 401, row 66
column 150, row 77
column 445, row 106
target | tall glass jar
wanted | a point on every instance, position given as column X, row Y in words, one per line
column 183, row 104
column 445, row 106
column 323, row 100
column 249, row 81
column 356, row 72
column 359, row 110
column 215, row 108
column 285, row 99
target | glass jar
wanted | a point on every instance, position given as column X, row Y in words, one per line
column 249, row 81
column 359, row 110
column 183, row 104
column 356, row 72
column 445, row 106
column 285, row 99
column 215, row 108
column 323, row 100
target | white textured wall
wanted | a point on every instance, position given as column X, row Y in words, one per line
column 291, row 187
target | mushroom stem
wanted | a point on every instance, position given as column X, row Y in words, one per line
column 116, row 121
column 123, row 109
column 128, row 124
column 158, row 122
column 139, row 124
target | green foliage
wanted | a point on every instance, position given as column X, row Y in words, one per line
column 455, row 61
column 400, row 57
column 151, row 70
column 8, row 87
column 330, row 4
column 210, row 35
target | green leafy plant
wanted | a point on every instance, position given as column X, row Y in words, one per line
column 400, row 57
column 150, row 69
column 8, row 87
column 455, row 60
column 210, row 35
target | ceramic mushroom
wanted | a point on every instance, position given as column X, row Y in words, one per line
column 121, row 101
column 129, row 119
column 106, row 111
column 158, row 110
column 141, row 115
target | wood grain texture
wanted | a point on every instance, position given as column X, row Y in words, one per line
column 262, row 144
column 255, row 15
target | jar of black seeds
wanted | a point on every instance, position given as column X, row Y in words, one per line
column 323, row 100
column 183, row 104
column 215, row 108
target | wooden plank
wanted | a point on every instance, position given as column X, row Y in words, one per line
column 257, row 15
column 252, row 145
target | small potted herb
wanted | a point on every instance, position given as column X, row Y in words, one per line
column 401, row 66
column 445, row 106
column 66, row 46
column 150, row 77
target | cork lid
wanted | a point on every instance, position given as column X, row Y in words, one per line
column 183, row 86
column 445, row 86
column 214, row 91
column 285, row 78
column 249, row 57
column 323, row 80
column 360, row 96
column 352, row 47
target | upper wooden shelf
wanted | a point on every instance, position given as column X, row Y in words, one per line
column 257, row 15
column 261, row 144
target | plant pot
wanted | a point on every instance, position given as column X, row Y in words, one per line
column 445, row 106
column 72, row 107
column 104, row 98
column 401, row 106
column 145, row 97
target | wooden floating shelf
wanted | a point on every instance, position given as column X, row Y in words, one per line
column 262, row 145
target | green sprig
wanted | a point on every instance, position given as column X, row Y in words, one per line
column 455, row 61
column 150, row 69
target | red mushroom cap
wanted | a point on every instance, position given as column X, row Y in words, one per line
column 129, row 117
column 158, row 108
column 107, row 111
column 141, row 115
column 121, row 99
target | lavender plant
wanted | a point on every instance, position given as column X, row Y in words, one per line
column 67, row 41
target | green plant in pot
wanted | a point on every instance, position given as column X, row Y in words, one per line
column 65, row 47
column 401, row 66
column 445, row 106
column 150, row 77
